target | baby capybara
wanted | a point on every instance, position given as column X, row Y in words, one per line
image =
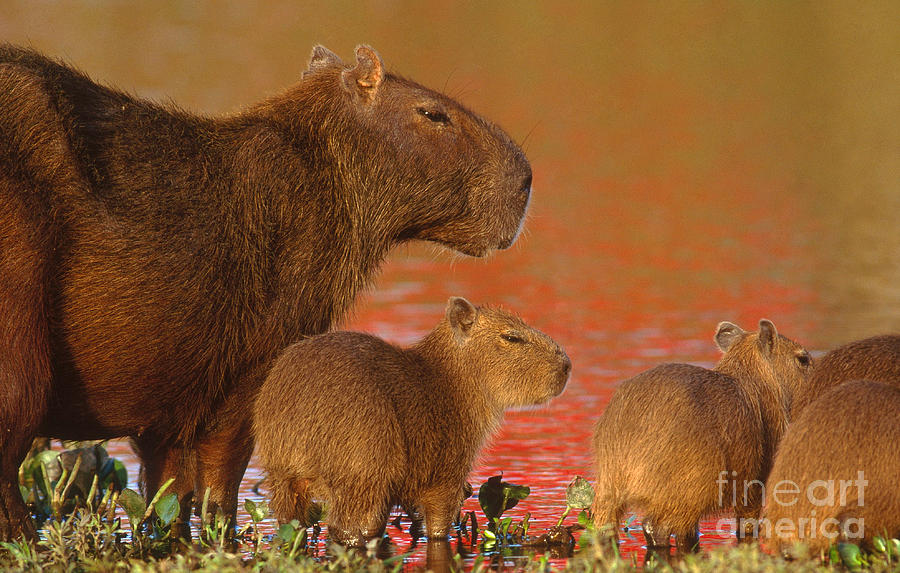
column 366, row 425
column 679, row 442
column 154, row 262
column 876, row 358
column 836, row 476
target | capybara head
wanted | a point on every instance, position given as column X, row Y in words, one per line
column 769, row 356
column 448, row 174
column 516, row 364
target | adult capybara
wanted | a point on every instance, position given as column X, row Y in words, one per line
column 154, row 262
column 366, row 425
column 680, row 442
column 876, row 358
column 836, row 476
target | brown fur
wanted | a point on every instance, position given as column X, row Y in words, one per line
column 850, row 428
column 668, row 434
column 366, row 425
column 154, row 262
column 876, row 358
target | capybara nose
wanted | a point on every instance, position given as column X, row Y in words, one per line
column 564, row 371
column 525, row 186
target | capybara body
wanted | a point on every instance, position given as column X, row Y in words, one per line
column 675, row 441
column 153, row 262
column 836, row 476
column 365, row 425
column 876, row 358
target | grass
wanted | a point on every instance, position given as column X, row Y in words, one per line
column 110, row 528
column 88, row 541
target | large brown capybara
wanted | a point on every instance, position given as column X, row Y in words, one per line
column 680, row 442
column 836, row 476
column 366, row 425
column 876, row 358
column 154, row 262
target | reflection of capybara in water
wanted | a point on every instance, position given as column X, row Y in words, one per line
column 876, row 358
column 366, row 425
column 154, row 262
column 680, row 441
column 835, row 477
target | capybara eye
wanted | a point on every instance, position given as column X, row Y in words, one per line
column 434, row 115
column 803, row 359
column 513, row 338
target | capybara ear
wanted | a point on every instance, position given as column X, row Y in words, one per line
column 767, row 336
column 365, row 79
column 322, row 58
column 461, row 315
column 727, row 334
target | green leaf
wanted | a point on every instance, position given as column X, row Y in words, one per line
column 167, row 508
column 878, row 544
column 257, row 511
column 584, row 519
column 496, row 496
column 46, row 458
column 286, row 532
column 504, row 526
column 134, row 506
column 894, row 547
column 25, row 493
column 850, row 555
column 833, row 555
column 579, row 493
column 488, row 534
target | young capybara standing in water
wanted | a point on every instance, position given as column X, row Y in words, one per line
column 680, row 442
column 836, row 476
column 366, row 425
column 876, row 358
column 154, row 262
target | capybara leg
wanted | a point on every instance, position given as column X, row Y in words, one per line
column 440, row 504
column 688, row 541
column 223, row 458
column 747, row 521
column 607, row 514
column 161, row 463
column 25, row 370
column 357, row 513
column 225, row 444
column 289, row 499
column 654, row 534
